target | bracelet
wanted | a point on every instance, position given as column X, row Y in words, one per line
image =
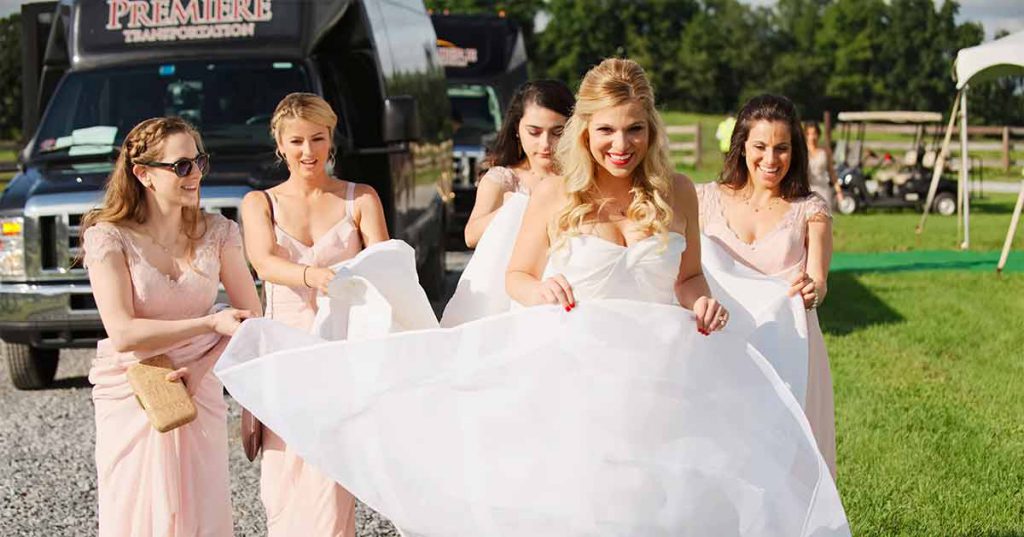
column 305, row 268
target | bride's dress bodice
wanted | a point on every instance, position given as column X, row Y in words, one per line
column 596, row 268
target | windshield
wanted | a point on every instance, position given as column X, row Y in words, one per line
column 229, row 102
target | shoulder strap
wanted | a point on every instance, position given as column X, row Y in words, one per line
column 350, row 199
column 270, row 203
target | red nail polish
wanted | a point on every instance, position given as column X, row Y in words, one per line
column 567, row 308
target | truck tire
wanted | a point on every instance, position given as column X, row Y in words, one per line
column 30, row 368
column 944, row 204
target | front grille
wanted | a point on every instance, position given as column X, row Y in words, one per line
column 81, row 302
column 466, row 168
column 60, row 246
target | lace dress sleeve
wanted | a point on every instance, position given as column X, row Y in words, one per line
column 224, row 234
column 816, row 209
column 705, row 202
column 505, row 177
column 99, row 241
column 232, row 238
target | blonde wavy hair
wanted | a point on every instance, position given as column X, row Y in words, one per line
column 125, row 200
column 614, row 82
column 308, row 106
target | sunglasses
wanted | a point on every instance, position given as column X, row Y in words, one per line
column 183, row 166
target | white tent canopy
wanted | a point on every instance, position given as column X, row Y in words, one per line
column 1002, row 57
column 988, row 61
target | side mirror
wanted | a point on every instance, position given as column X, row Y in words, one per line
column 401, row 119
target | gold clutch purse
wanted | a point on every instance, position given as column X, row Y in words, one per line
column 167, row 403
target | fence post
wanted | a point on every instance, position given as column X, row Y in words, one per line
column 697, row 146
column 827, row 120
column 1006, row 149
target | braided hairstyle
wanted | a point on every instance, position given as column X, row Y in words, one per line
column 125, row 200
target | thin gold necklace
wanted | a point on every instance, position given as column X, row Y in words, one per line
column 171, row 253
column 772, row 202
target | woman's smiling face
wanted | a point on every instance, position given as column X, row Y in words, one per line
column 619, row 138
column 768, row 152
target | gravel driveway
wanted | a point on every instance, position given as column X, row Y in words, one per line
column 47, row 473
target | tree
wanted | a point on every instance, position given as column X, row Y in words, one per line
column 524, row 12
column 725, row 56
column 850, row 37
column 799, row 70
column 584, row 32
column 10, row 77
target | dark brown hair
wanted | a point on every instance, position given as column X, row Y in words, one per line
column 551, row 94
column 768, row 108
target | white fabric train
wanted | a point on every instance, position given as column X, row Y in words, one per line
column 617, row 419
column 761, row 311
column 481, row 288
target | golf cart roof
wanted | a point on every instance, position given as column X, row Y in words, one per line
column 892, row 117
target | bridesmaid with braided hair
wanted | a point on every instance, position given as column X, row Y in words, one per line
column 155, row 262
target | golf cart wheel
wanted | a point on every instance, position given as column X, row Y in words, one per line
column 848, row 205
column 945, row 204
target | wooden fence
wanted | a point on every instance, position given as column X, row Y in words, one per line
column 685, row 151
column 993, row 147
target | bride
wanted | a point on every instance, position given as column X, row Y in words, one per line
column 615, row 412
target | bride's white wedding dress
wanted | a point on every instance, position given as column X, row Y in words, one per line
column 615, row 419
column 481, row 288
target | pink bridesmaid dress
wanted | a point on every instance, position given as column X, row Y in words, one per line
column 172, row 484
column 783, row 253
column 299, row 499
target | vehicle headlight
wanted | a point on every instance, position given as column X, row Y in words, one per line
column 12, row 247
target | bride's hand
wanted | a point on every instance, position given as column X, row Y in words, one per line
column 556, row 290
column 711, row 316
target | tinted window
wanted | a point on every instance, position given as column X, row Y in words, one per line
column 230, row 102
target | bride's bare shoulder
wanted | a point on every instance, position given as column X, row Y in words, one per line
column 549, row 193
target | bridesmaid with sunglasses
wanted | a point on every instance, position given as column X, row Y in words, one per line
column 155, row 262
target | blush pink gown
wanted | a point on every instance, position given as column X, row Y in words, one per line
column 299, row 499
column 172, row 484
column 783, row 253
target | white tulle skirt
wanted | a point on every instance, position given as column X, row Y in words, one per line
column 481, row 288
column 616, row 419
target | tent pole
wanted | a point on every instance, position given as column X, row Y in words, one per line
column 965, row 178
column 940, row 164
column 1012, row 229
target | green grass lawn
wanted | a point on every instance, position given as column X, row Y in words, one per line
column 928, row 371
column 894, row 230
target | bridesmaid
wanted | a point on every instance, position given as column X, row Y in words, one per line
column 821, row 176
column 762, row 211
column 155, row 262
column 293, row 233
column 523, row 153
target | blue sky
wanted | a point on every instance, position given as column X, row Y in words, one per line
column 993, row 14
